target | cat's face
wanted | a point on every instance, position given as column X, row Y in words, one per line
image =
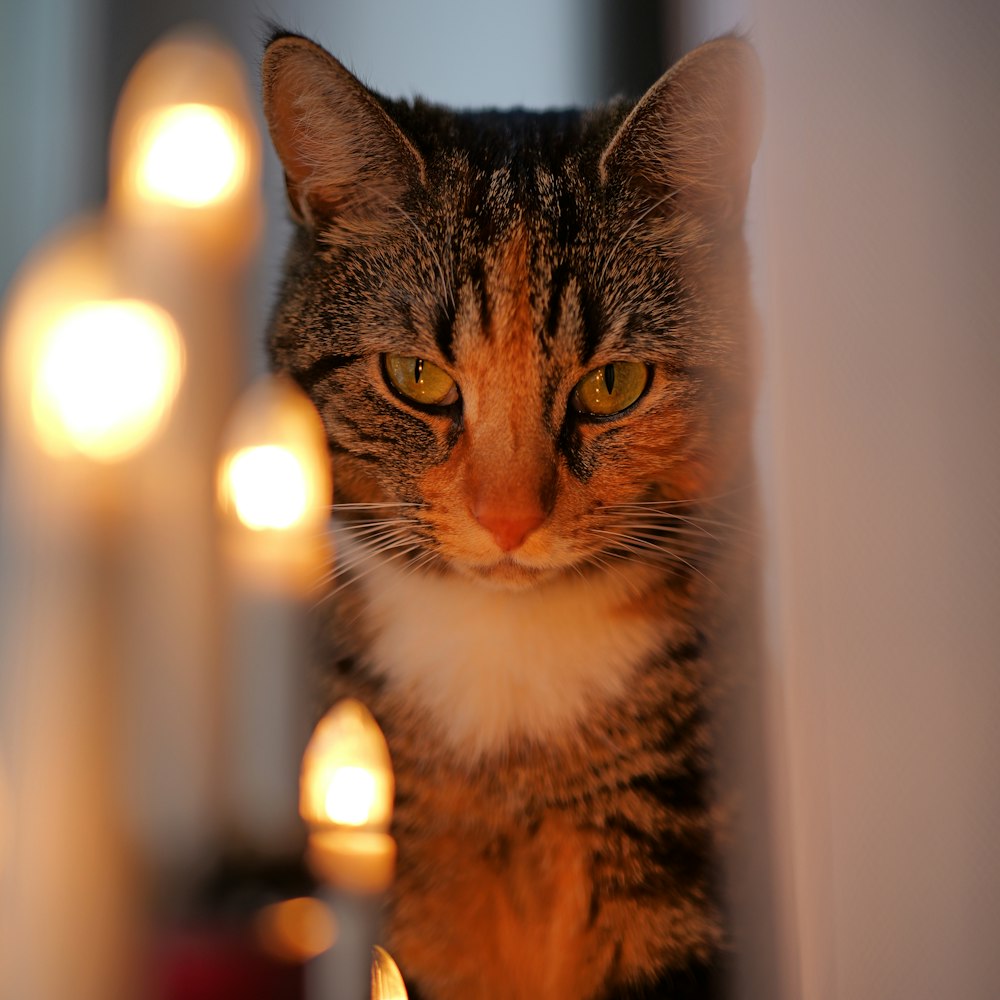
column 524, row 334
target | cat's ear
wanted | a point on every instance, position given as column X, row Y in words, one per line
column 345, row 159
column 693, row 137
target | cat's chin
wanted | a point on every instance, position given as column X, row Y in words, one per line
column 508, row 574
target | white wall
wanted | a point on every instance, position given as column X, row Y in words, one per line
column 882, row 237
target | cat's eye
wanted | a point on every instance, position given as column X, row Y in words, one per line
column 419, row 380
column 611, row 388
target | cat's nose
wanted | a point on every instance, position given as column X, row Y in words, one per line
column 509, row 526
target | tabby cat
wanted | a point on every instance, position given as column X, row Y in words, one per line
column 527, row 336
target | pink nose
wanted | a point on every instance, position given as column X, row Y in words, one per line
column 509, row 526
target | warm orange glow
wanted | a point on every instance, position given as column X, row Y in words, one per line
column 89, row 368
column 190, row 155
column 351, row 796
column 185, row 152
column 347, row 779
column 387, row 981
column 268, row 486
column 105, row 375
column 275, row 473
column 296, row 930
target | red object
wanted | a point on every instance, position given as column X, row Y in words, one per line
column 220, row 963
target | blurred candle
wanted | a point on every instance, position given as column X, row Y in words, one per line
column 185, row 205
column 274, row 491
column 185, row 154
column 387, row 982
column 345, row 797
column 90, row 375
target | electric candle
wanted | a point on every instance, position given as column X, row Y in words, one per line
column 346, row 793
column 185, row 206
column 387, row 982
column 274, row 491
column 90, row 374
column 185, row 155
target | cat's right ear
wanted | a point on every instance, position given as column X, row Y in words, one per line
column 345, row 159
column 690, row 142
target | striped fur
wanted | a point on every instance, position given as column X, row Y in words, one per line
column 528, row 598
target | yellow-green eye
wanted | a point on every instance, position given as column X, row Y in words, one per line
column 611, row 388
column 420, row 380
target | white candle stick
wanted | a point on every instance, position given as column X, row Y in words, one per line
column 185, row 203
column 89, row 376
column 274, row 489
column 346, row 793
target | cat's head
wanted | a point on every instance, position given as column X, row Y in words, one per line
column 522, row 325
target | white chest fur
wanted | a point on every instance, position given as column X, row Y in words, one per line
column 490, row 664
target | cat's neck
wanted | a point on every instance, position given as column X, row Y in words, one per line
column 494, row 666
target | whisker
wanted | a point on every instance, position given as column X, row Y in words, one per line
column 350, row 505
column 664, row 554
column 608, row 565
column 393, row 553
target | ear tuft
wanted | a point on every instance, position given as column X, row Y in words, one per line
column 345, row 159
column 694, row 135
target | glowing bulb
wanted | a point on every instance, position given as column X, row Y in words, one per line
column 185, row 153
column 105, row 376
column 351, row 794
column 346, row 772
column 275, row 474
column 269, row 487
column 190, row 154
column 387, row 981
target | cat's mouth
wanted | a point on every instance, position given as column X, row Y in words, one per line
column 509, row 573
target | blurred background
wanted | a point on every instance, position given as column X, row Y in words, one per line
column 875, row 220
column 65, row 61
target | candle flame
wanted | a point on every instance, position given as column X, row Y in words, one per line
column 185, row 152
column 346, row 772
column 351, row 795
column 190, row 155
column 269, row 487
column 106, row 374
column 275, row 473
column 387, row 981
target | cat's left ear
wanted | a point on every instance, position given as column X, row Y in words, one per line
column 345, row 159
column 692, row 139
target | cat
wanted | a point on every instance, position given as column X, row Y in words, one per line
column 528, row 335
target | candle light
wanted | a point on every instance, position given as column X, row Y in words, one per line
column 387, row 981
column 106, row 372
column 90, row 374
column 274, row 491
column 185, row 207
column 345, row 797
column 185, row 155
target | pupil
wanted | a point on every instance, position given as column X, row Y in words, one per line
column 609, row 377
column 418, row 368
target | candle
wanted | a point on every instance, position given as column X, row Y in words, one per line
column 90, row 373
column 185, row 205
column 387, row 982
column 185, row 154
column 274, row 491
column 346, row 793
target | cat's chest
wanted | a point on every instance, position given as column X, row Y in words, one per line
column 491, row 665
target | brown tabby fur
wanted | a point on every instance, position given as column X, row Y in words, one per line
column 560, row 845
